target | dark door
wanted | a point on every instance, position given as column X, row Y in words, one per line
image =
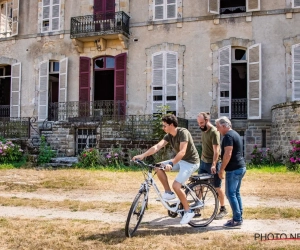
column 104, row 11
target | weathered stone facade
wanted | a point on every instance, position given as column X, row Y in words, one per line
column 285, row 127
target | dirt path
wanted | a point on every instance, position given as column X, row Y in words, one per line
column 151, row 217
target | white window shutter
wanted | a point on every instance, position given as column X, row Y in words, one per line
column 15, row 18
column 296, row 71
column 63, row 88
column 170, row 96
column 55, row 15
column 171, row 9
column 252, row 5
column 46, row 15
column 157, row 81
column 225, row 81
column 214, row 6
column 296, row 3
column 15, row 94
column 158, row 9
column 254, row 81
column 43, row 91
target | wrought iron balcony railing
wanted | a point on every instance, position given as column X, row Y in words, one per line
column 85, row 111
column 231, row 10
column 101, row 24
column 4, row 110
column 239, row 108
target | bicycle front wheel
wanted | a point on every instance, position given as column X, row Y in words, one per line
column 205, row 212
column 136, row 213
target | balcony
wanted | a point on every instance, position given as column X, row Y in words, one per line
column 4, row 110
column 239, row 108
column 85, row 111
column 108, row 26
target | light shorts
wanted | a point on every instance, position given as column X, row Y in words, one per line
column 185, row 169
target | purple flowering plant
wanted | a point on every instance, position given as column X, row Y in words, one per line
column 293, row 159
column 10, row 152
column 261, row 156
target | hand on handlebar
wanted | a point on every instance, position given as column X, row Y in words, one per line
column 137, row 157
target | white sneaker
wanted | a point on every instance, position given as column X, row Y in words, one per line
column 167, row 196
column 187, row 217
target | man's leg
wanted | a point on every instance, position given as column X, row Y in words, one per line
column 161, row 174
column 218, row 183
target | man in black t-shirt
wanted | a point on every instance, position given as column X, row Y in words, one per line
column 234, row 164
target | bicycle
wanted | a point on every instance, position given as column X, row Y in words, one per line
column 201, row 196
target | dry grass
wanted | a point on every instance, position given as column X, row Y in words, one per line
column 66, row 234
column 55, row 234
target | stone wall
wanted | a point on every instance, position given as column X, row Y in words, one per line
column 285, row 127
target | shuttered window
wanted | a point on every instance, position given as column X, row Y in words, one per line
column 225, row 81
column 164, row 81
column 254, row 81
column 296, row 71
column 164, row 9
column 43, row 90
column 120, row 83
column 15, row 96
column 251, row 5
column 9, row 20
column 296, row 3
column 51, row 15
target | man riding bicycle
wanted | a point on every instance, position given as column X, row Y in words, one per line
column 186, row 161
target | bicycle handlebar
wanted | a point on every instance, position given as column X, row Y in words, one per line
column 156, row 165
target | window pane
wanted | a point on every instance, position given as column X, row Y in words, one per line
column 240, row 54
column 110, row 62
column 157, row 98
column 99, row 63
column 55, row 66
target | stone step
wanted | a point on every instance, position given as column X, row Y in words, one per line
column 64, row 160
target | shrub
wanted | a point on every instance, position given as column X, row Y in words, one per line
column 45, row 152
column 261, row 156
column 89, row 158
column 10, row 152
column 293, row 160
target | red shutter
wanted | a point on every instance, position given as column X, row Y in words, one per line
column 98, row 7
column 120, row 83
column 84, row 86
column 110, row 6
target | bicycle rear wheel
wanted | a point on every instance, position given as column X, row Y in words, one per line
column 136, row 213
column 205, row 214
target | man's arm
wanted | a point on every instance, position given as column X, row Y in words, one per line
column 216, row 149
column 225, row 160
column 181, row 153
column 151, row 150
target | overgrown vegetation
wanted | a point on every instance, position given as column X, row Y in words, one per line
column 10, row 152
column 45, row 152
column 293, row 159
column 261, row 156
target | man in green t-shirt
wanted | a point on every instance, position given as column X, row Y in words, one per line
column 186, row 161
column 210, row 158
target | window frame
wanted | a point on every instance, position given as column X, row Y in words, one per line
column 293, row 4
column 50, row 18
column 165, row 10
column 164, row 85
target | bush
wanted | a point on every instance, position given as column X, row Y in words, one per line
column 45, row 152
column 89, row 158
column 10, row 152
column 293, row 161
column 261, row 156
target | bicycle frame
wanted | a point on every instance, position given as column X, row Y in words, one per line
column 149, row 181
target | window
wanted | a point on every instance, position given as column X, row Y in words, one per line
column 239, row 71
column 164, row 81
column 296, row 3
column 53, row 67
column 9, row 18
column 51, row 15
column 233, row 6
column 104, row 63
column 164, row 9
column 296, row 71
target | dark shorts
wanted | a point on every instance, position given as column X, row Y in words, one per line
column 205, row 168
